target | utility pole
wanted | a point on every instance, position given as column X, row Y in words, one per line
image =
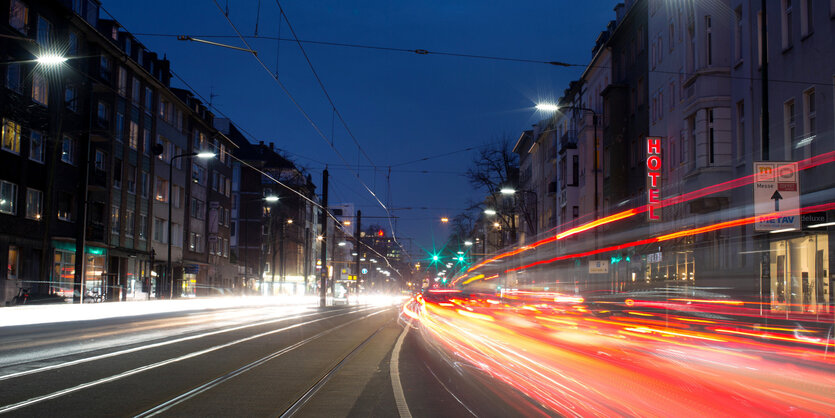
column 357, row 237
column 323, row 278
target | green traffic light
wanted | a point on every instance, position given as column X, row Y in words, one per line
column 435, row 258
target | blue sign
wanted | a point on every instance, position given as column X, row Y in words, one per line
column 364, row 271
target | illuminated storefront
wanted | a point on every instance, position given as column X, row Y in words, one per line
column 799, row 272
column 63, row 273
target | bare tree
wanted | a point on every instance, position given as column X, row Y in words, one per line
column 494, row 167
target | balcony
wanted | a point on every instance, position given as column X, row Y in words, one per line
column 568, row 140
column 95, row 232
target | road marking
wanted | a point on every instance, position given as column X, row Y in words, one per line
column 213, row 383
column 31, row 401
column 449, row 391
column 394, row 371
column 145, row 347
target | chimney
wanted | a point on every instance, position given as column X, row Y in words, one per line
column 271, row 146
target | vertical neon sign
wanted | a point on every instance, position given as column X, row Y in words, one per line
column 653, row 177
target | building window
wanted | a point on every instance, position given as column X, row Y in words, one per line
column 13, row 78
column 130, row 223
column 117, row 173
column 36, row 146
column 178, row 163
column 71, row 99
column 195, row 243
column 740, row 130
column 44, row 31
column 103, row 114
column 18, row 15
column 123, row 82
column 133, row 138
column 708, row 41
column 40, row 89
column 120, row 126
column 68, row 150
column 115, row 220
column 65, row 205
column 136, row 91
column 8, row 197
column 149, row 100
column 34, row 204
column 787, row 24
column 198, row 173
column 809, row 110
column 143, row 227
column 198, row 208
column 161, row 190
column 738, row 35
column 789, row 131
column 146, row 141
column 11, row 136
column 806, row 18
column 176, row 196
column 131, row 179
column 100, row 160
column 711, row 138
column 72, row 44
column 145, row 185
column 105, row 68
column 159, row 230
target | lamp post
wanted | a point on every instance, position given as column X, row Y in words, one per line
column 488, row 212
column 204, row 155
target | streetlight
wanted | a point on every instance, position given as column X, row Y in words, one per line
column 468, row 243
column 444, row 220
column 490, row 212
column 547, row 107
column 50, row 59
column 202, row 155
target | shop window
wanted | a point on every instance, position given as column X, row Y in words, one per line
column 13, row 263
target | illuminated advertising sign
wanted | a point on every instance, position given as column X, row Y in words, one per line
column 653, row 177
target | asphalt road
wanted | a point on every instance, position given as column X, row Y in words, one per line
column 235, row 361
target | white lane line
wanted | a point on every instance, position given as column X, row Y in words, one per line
column 213, row 383
column 145, row 347
column 394, row 372
column 31, row 401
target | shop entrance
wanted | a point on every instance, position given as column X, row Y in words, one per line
column 800, row 274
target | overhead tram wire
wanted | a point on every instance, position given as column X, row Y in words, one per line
column 486, row 57
column 321, row 84
column 276, row 181
column 336, row 112
column 302, row 111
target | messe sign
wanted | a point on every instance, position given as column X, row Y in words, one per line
column 776, row 196
column 598, row 266
column 653, row 178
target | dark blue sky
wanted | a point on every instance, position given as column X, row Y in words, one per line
column 399, row 106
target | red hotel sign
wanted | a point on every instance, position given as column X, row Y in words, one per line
column 653, row 177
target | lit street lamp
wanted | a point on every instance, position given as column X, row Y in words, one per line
column 202, row 155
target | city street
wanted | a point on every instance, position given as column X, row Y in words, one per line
column 263, row 360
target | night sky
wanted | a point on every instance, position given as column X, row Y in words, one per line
column 399, row 106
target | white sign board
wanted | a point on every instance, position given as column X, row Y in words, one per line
column 598, row 266
column 776, row 196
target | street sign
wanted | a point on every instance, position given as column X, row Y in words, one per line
column 776, row 196
column 598, row 266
